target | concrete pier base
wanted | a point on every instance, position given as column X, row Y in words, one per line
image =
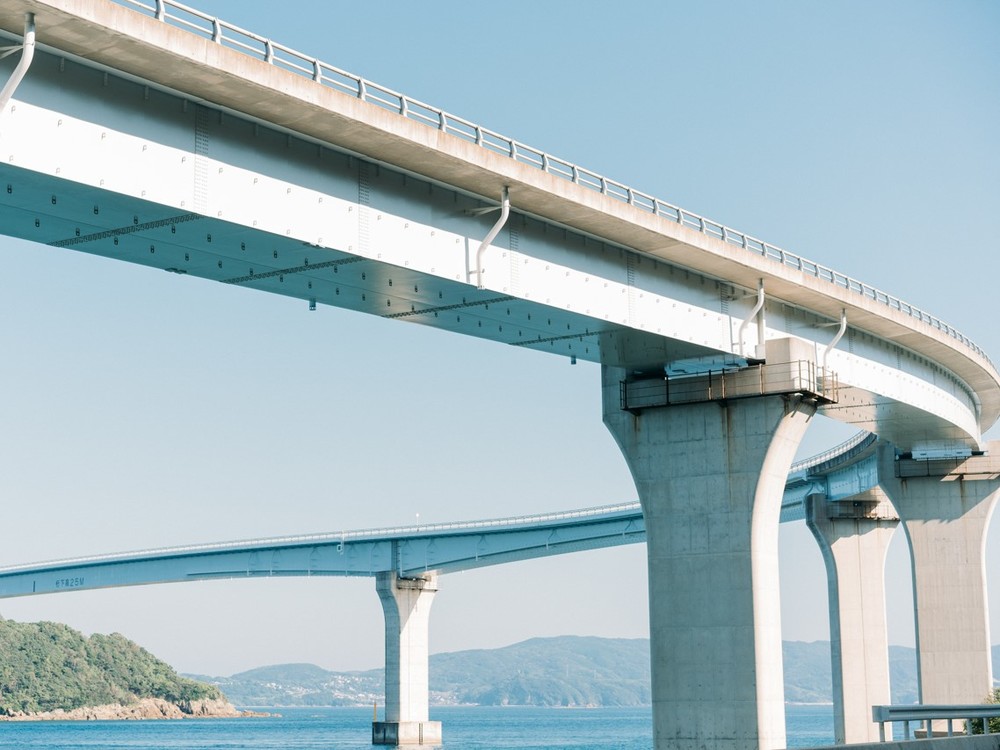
column 406, row 604
column 945, row 508
column 406, row 733
column 710, row 477
column 853, row 536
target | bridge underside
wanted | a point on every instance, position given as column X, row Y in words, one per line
column 69, row 215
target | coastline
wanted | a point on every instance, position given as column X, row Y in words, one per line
column 142, row 709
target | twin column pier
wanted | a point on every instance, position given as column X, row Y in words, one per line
column 710, row 477
column 853, row 536
column 945, row 508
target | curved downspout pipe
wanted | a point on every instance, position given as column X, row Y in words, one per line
column 504, row 213
column 836, row 339
column 753, row 314
column 27, row 53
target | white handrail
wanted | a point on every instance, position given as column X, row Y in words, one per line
column 925, row 714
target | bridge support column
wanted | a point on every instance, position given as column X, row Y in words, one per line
column 945, row 507
column 854, row 535
column 710, row 477
column 406, row 604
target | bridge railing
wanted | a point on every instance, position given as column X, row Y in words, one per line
column 456, row 527
column 926, row 714
column 857, row 443
column 254, row 45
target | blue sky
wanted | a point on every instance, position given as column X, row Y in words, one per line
column 147, row 410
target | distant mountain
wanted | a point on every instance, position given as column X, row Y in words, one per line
column 566, row 671
column 301, row 685
column 563, row 671
column 808, row 673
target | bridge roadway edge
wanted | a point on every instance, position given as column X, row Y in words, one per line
column 104, row 33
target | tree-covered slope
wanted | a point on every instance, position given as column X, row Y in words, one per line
column 565, row 671
column 46, row 666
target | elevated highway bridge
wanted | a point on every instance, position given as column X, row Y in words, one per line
column 151, row 133
column 409, row 552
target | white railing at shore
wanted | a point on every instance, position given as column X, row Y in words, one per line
column 273, row 53
column 925, row 714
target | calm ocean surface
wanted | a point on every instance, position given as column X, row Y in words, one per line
column 350, row 728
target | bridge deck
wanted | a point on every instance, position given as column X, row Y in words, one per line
column 122, row 39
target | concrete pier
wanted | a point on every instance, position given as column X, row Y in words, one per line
column 854, row 535
column 945, row 507
column 710, row 477
column 406, row 604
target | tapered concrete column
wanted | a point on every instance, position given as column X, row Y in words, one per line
column 710, row 477
column 406, row 604
column 945, row 508
column 854, row 535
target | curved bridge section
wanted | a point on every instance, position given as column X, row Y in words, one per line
column 180, row 142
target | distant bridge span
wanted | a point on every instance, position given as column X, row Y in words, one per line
column 413, row 551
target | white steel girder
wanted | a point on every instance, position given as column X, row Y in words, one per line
column 146, row 176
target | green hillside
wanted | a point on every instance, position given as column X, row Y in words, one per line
column 46, row 666
column 566, row 671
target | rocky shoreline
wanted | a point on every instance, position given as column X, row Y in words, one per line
column 145, row 708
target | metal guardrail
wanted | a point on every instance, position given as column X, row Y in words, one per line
column 273, row 53
column 854, row 445
column 925, row 714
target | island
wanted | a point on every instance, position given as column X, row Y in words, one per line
column 50, row 671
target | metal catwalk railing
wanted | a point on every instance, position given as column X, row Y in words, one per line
column 801, row 376
column 273, row 53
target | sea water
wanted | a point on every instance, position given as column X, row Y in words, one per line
column 465, row 728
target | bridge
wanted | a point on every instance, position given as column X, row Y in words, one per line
column 153, row 134
column 841, row 473
column 422, row 553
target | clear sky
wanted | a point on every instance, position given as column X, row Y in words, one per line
column 142, row 409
